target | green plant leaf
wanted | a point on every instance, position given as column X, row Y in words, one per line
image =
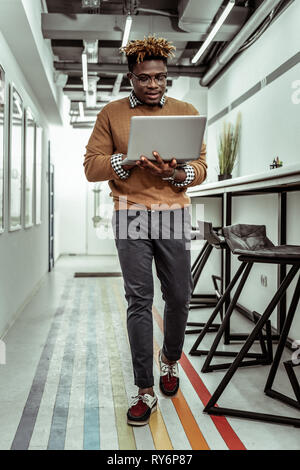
column 229, row 139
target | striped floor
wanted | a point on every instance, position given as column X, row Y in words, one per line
column 69, row 388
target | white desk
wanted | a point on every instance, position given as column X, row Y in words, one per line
column 284, row 176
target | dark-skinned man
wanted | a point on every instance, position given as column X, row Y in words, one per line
column 143, row 195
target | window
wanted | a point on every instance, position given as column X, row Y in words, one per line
column 2, row 133
column 29, row 166
column 15, row 159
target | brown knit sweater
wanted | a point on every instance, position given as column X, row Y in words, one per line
column 110, row 135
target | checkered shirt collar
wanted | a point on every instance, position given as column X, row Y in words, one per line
column 134, row 101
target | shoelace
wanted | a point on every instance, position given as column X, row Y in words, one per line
column 169, row 369
column 136, row 399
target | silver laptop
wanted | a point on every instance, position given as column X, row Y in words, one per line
column 177, row 137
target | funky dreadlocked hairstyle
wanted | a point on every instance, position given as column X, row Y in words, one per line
column 150, row 48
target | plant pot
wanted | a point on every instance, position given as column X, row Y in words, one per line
column 224, row 177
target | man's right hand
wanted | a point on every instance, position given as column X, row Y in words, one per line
column 127, row 167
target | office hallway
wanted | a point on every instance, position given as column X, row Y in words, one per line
column 68, row 378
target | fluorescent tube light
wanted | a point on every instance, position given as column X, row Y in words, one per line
column 84, row 71
column 214, row 31
column 91, row 50
column 127, row 30
column 81, row 110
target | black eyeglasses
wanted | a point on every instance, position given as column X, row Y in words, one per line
column 145, row 79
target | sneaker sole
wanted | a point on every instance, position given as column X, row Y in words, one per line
column 142, row 423
column 171, row 395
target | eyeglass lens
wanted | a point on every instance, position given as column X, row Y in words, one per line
column 146, row 79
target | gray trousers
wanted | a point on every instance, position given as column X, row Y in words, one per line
column 142, row 237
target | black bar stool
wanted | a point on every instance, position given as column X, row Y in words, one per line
column 264, row 357
column 251, row 245
column 205, row 300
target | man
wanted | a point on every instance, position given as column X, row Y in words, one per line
column 154, row 188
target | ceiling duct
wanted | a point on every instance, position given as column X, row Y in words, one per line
column 250, row 27
column 193, row 14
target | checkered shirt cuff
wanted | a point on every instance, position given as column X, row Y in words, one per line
column 190, row 175
column 115, row 161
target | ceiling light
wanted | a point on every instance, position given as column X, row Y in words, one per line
column 81, row 110
column 127, row 30
column 84, row 71
column 91, row 50
column 90, row 3
column 214, row 31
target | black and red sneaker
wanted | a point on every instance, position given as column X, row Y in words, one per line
column 169, row 377
column 140, row 409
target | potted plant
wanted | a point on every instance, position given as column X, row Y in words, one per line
column 228, row 147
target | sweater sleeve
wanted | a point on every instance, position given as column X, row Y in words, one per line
column 200, row 164
column 99, row 151
column 199, row 167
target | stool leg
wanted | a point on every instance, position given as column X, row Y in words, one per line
column 228, row 314
column 293, row 379
column 210, row 407
column 209, row 322
column 283, row 337
column 201, row 265
column 203, row 257
column 269, row 340
column 195, row 263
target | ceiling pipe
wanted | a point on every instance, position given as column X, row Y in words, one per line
column 252, row 24
column 156, row 12
column 173, row 70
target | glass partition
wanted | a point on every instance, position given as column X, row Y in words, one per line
column 15, row 159
column 29, row 166
column 2, row 130
column 38, row 169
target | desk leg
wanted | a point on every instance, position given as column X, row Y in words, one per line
column 227, row 217
column 282, row 205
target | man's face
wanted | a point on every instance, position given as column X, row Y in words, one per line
column 149, row 93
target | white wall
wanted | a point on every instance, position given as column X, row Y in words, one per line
column 23, row 253
column 20, row 24
column 270, row 119
column 270, row 128
column 188, row 89
column 67, row 150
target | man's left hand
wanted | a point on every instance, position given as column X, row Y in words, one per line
column 159, row 168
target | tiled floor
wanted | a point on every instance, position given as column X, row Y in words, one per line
column 68, row 377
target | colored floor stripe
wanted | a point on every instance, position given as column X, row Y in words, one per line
column 157, row 425
column 26, row 425
column 125, row 433
column 61, row 407
column 186, row 417
column 230, row 437
column 91, row 439
column 142, row 434
column 191, row 428
column 108, row 432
